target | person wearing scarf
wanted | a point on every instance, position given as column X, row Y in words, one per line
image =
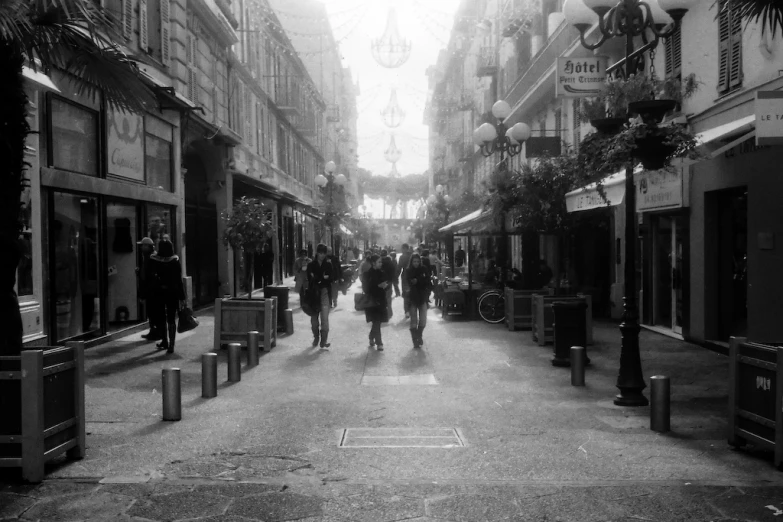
column 419, row 280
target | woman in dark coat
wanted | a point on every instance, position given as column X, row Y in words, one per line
column 167, row 289
column 374, row 284
column 420, row 284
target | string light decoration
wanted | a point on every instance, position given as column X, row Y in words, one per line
column 392, row 114
column 391, row 50
column 392, row 154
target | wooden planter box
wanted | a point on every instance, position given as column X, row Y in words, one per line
column 544, row 318
column 42, row 407
column 519, row 307
column 755, row 401
column 235, row 317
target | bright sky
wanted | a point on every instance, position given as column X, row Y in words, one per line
column 427, row 24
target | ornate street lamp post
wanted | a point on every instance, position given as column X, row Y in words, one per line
column 327, row 183
column 628, row 18
column 498, row 138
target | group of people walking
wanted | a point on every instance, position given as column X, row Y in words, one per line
column 318, row 282
column 162, row 289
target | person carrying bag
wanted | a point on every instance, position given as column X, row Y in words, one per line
column 375, row 285
column 168, row 289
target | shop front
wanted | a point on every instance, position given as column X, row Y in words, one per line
column 662, row 203
column 107, row 180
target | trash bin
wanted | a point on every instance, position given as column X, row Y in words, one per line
column 281, row 292
column 570, row 329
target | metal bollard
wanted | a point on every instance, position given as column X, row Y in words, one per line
column 252, row 348
column 289, row 321
column 209, row 375
column 234, row 362
column 660, row 402
column 172, row 396
column 578, row 366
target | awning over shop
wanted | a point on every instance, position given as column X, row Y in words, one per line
column 712, row 141
column 345, row 230
column 588, row 197
column 38, row 78
column 477, row 221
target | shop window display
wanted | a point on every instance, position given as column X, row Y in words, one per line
column 122, row 301
column 158, row 163
column 74, row 232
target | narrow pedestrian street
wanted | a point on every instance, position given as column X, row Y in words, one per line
column 478, row 425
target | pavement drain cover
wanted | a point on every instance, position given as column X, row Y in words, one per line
column 401, row 438
column 396, row 380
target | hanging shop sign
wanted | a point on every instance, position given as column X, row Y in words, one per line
column 658, row 189
column 769, row 118
column 580, row 77
column 125, row 144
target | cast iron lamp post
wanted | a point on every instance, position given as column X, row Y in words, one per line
column 327, row 183
column 628, row 18
column 498, row 138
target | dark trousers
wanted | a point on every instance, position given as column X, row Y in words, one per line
column 169, row 306
column 156, row 315
column 375, row 333
column 397, row 288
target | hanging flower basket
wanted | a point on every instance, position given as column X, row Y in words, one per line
column 608, row 125
column 653, row 151
column 651, row 111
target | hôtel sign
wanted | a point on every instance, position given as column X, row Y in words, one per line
column 580, row 77
column 769, row 118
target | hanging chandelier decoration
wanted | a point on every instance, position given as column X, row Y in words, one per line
column 392, row 154
column 391, row 50
column 392, row 114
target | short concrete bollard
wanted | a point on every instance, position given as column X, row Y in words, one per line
column 209, row 375
column 578, row 366
column 252, row 348
column 234, row 362
column 289, row 321
column 660, row 403
column 172, row 395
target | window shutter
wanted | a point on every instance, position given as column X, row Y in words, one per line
column 143, row 40
column 735, row 47
column 127, row 18
column 192, row 86
column 673, row 48
column 724, row 46
column 165, row 31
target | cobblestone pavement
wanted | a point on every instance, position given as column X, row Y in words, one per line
column 477, row 426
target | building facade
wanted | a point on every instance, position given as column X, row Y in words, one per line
column 238, row 115
column 707, row 259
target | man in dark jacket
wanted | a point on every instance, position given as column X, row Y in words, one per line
column 319, row 278
column 402, row 265
column 337, row 274
column 387, row 265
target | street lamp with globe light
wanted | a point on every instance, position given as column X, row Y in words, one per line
column 328, row 183
column 498, row 138
column 629, row 19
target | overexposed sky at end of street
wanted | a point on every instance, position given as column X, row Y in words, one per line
column 426, row 24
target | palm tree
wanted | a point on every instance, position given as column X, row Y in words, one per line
column 769, row 12
column 65, row 35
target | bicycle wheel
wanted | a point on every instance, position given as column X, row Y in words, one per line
column 492, row 307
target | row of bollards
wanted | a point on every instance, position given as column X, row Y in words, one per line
column 660, row 391
column 172, row 390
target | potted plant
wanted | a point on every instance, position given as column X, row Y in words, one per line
column 248, row 227
column 655, row 145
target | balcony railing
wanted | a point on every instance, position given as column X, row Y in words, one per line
column 487, row 62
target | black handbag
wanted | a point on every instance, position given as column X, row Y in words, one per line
column 186, row 320
column 363, row 302
column 310, row 300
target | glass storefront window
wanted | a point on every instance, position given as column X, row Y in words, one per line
column 75, row 261
column 158, row 162
column 74, row 142
column 160, row 224
column 24, row 273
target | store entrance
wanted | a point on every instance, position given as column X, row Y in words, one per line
column 201, row 233
column 669, row 234
column 732, row 274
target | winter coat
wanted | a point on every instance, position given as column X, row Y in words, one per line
column 389, row 271
column 370, row 281
column 166, row 278
column 402, row 266
column 420, row 290
column 316, row 281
